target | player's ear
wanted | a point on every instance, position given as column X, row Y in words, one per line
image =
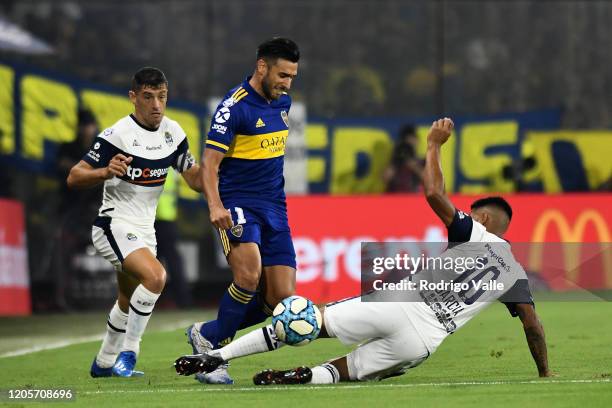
column 262, row 67
column 132, row 96
column 484, row 218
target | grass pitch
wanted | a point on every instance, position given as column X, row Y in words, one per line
column 487, row 363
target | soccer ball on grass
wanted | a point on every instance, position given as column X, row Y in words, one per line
column 296, row 321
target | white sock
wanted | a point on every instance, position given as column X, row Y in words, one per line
column 325, row 374
column 142, row 303
column 257, row 341
column 113, row 339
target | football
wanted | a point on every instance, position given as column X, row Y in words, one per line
column 296, row 321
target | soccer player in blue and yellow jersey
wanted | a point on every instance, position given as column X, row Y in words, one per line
column 242, row 175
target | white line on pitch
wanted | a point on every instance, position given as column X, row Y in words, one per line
column 51, row 346
column 83, row 339
column 333, row 387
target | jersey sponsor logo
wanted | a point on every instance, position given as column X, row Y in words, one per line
column 222, row 115
column 260, row 123
column 135, row 144
column 158, row 147
column 94, row 155
column 219, row 128
column 274, row 143
column 285, row 117
column 497, row 258
column 237, row 230
column 254, row 147
column 135, row 172
column 131, row 237
column 168, row 137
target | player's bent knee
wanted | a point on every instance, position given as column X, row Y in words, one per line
column 159, row 280
column 155, row 278
column 247, row 279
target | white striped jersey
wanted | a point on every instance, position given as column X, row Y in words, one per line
column 495, row 276
column 133, row 197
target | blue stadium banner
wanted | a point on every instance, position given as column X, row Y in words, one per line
column 38, row 112
column 350, row 155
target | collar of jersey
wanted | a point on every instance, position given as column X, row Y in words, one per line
column 145, row 127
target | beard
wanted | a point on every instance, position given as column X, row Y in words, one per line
column 266, row 87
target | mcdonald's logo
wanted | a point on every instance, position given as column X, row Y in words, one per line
column 572, row 236
column 566, row 231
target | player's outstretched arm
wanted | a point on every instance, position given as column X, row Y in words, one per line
column 83, row 175
column 209, row 173
column 193, row 179
column 534, row 332
column 433, row 179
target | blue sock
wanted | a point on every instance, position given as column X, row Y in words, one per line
column 258, row 311
column 232, row 310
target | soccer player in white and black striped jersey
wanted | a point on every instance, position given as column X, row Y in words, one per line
column 132, row 158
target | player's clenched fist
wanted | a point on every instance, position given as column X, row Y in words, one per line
column 440, row 131
column 220, row 217
column 118, row 166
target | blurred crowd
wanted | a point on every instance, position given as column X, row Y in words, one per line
column 404, row 173
column 390, row 58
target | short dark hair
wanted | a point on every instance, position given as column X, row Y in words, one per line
column 148, row 76
column 498, row 202
column 278, row 47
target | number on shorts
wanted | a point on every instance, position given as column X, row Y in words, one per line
column 240, row 214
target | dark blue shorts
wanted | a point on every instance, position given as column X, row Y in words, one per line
column 267, row 226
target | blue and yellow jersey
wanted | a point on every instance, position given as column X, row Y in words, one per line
column 252, row 133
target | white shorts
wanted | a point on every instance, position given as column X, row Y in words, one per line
column 389, row 344
column 115, row 240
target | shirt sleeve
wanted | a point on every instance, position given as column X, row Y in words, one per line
column 460, row 229
column 518, row 293
column 184, row 159
column 101, row 152
column 224, row 126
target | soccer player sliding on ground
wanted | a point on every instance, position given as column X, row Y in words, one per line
column 396, row 336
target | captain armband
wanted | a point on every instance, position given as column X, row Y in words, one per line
column 185, row 161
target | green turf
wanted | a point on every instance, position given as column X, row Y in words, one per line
column 489, row 352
